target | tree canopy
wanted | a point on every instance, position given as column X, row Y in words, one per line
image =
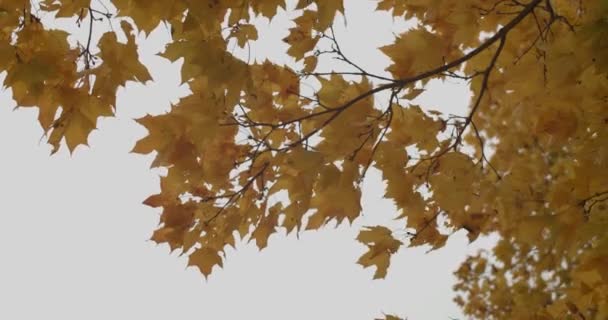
column 254, row 149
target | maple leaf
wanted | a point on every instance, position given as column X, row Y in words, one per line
column 265, row 228
column 416, row 51
column 454, row 170
column 268, row 8
column 121, row 62
column 205, row 259
column 381, row 245
column 327, row 10
column 244, row 33
column 301, row 39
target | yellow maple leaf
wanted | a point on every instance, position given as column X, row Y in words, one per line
column 381, row 245
column 205, row 259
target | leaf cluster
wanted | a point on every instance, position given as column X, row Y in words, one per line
column 249, row 151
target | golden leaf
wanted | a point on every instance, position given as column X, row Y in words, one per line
column 381, row 245
column 205, row 259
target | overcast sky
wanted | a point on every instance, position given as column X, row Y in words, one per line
column 73, row 235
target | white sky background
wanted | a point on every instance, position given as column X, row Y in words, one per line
column 73, row 231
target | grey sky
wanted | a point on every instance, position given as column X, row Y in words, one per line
column 73, row 236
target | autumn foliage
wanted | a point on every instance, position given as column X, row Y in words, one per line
column 252, row 149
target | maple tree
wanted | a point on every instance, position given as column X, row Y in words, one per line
column 249, row 151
